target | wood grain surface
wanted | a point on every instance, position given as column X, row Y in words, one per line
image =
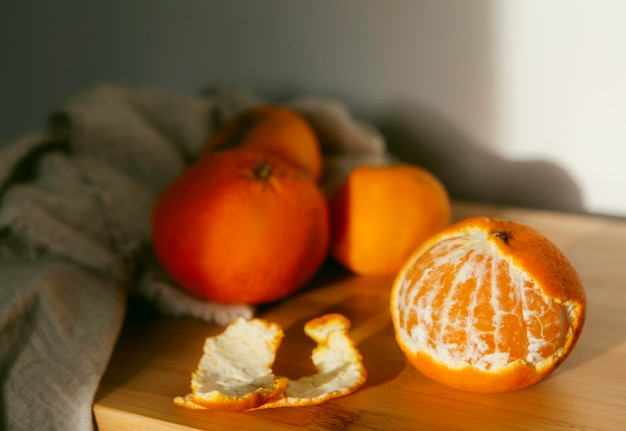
column 155, row 356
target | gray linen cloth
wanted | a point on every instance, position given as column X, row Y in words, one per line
column 75, row 207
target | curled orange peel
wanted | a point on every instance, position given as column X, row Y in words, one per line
column 234, row 372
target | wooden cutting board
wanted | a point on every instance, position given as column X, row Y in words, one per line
column 155, row 356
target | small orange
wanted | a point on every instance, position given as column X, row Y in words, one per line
column 275, row 129
column 487, row 305
column 380, row 214
column 241, row 226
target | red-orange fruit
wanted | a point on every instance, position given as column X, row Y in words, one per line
column 241, row 226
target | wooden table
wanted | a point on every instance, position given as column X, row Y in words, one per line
column 155, row 356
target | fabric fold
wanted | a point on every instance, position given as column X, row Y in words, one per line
column 75, row 208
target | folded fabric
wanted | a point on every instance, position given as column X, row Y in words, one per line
column 75, row 206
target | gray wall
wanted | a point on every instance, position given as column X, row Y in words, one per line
column 425, row 72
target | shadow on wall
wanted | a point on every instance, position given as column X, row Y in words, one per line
column 470, row 171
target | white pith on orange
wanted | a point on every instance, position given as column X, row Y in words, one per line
column 487, row 305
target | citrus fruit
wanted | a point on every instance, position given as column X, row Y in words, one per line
column 274, row 129
column 380, row 214
column 487, row 305
column 241, row 226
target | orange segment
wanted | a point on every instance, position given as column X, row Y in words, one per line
column 487, row 305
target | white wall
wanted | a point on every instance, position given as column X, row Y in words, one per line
column 508, row 101
column 561, row 91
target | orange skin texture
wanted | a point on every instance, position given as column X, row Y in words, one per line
column 226, row 235
column 555, row 280
column 253, row 400
column 381, row 214
column 277, row 130
column 249, row 401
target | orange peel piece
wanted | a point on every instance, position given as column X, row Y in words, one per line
column 339, row 365
column 234, row 373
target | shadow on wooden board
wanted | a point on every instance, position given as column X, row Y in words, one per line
column 472, row 172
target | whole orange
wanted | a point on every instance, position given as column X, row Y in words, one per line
column 488, row 305
column 241, row 226
column 274, row 129
column 380, row 214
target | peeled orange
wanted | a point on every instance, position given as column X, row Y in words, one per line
column 488, row 305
